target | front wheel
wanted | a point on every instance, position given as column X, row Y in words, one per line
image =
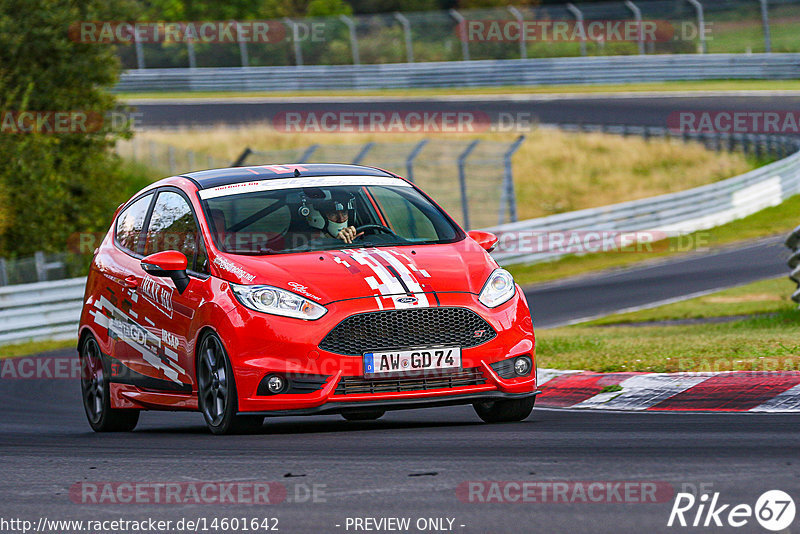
column 216, row 391
column 96, row 393
column 505, row 411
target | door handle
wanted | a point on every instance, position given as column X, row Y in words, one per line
column 131, row 282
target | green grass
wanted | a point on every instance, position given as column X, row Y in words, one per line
column 35, row 347
column 765, row 296
column 708, row 85
column 768, row 340
column 779, row 219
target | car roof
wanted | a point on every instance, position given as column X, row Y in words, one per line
column 234, row 175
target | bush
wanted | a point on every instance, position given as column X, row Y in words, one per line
column 55, row 184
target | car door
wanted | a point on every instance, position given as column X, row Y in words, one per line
column 118, row 303
column 170, row 314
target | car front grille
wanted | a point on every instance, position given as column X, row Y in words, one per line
column 352, row 385
column 413, row 327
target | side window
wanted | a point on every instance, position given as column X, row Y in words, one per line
column 404, row 217
column 172, row 227
column 130, row 222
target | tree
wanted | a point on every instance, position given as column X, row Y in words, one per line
column 55, row 182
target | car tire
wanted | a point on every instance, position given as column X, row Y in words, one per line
column 505, row 411
column 216, row 391
column 95, row 392
column 366, row 415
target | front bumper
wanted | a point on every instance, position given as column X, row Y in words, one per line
column 398, row 404
column 293, row 349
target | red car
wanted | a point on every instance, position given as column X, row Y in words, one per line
column 298, row 290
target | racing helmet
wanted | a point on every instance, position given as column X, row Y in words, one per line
column 316, row 203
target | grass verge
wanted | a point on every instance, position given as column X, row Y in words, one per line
column 779, row 219
column 35, row 347
column 706, row 85
column 766, row 341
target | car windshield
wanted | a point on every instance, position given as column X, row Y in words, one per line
column 260, row 219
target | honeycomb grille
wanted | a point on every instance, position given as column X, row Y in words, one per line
column 413, row 327
column 351, row 385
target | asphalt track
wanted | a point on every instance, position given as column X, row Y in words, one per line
column 410, row 463
column 656, row 283
column 639, row 110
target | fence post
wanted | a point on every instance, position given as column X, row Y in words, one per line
column 3, row 272
column 153, row 160
column 407, row 34
column 238, row 162
column 579, row 19
column 298, row 53
column 523, row 49
column 462, row 180
column 508, row 184
column 765, row 23
column 411, row 157
column 701, row 25
column 307, row 154
column 137, row 44
column 171, row 159
column 637, row 15
column 351, row 27
column 363, row 152
column 190, row 51
column 242, row 46
column 462, row 32
column 41, row 268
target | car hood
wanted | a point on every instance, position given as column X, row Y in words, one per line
column 384, row 272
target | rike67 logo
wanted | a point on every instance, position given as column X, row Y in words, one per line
column 774, row 510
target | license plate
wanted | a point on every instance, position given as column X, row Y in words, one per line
column 411, row 361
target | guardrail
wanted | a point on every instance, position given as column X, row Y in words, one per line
column 44, row 310
column 677, row 213
column 519, row 72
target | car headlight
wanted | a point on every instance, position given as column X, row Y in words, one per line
column 499, row 288
column 278, row 301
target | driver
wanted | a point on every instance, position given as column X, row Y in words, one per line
column 330, row 212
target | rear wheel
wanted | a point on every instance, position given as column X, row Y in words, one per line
column 96, row 393
column 365, row 415
column 505, row 411
column 216, row 391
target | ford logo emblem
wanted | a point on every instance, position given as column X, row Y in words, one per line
column 407, row 300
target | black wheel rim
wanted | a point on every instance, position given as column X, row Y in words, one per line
column 93, row 381
column 212, row 378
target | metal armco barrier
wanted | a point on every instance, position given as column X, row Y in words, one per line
column 793, row 244
column 520, row 72
column 44, row 310
column 672, row 214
